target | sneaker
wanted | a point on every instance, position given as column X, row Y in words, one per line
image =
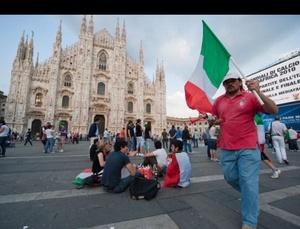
column 278, row 171
column 61, row 150
column 275, row 175
column 286, row 162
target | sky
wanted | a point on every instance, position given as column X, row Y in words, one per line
column 254, row 41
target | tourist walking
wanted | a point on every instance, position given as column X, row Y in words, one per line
column 4, row 132
column 277, row 130
column 28, row 137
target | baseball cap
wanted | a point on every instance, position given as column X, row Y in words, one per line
column 231, row 76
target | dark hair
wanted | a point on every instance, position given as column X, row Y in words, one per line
column 2, row 122
column 120, row 144
column 95, row 140
column 178, row 144
column 157, row 144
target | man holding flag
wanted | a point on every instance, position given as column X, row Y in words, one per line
column 234, row 112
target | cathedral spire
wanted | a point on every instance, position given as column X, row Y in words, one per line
column 37, row 61
column 124, row 32
column 162, row 71
column 59, row 34
column 30, row 48
column 83, row 26
column 20, row 51
column 91, row 25
column 117, row 30
column 141, row 53
column 157, row 68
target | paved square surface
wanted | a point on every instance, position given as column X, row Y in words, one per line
column 36, row 192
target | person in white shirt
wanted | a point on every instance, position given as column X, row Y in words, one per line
column 277, row 130
column 4, row 130
column 158, row 157
column 293, row 136
column 50, row 139
column 106, row 136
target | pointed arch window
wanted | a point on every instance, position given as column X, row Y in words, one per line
column 65, row 101
column 130, row 107
column 38, row 100
column 130, row 88
column 68, row 81
column 101, row 89
column 148, row 108
column 102, row 61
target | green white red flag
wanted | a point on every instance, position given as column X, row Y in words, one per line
column 211, row 69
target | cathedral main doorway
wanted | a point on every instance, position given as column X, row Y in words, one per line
column 101, row 126
column 36, row 128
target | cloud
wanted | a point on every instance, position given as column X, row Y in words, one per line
column 176, row 106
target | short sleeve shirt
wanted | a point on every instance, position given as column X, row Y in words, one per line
column 113, row 166
column 238, row 130
column 161, row 157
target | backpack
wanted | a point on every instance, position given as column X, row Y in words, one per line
column 142, row 188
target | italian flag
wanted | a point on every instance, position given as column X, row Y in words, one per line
column 179, row 171
column 211, row 69
column 79, row 179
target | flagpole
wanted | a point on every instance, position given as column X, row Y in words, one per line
column 243, row 76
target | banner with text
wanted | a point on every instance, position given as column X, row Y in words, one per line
column 281, row 82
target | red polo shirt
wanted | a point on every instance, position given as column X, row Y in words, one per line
column 238, row 130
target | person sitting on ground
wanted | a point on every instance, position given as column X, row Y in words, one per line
column 100, row 155
column 94, row 148
column 179, row 170
column 158, row 157
column 111, row 178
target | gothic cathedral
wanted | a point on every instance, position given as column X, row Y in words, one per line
column 95, row 78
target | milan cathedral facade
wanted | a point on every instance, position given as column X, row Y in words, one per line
column 95, row 78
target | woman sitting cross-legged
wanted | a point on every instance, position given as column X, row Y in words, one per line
column 100, row 156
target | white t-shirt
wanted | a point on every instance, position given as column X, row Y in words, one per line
column 212, row 132
column 293, row 134
column 161, row 157
column 5, row 131
column 278, row 128
column 49, row 133
column 105, row 134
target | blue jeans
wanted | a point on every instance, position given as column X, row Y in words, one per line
column 124, row 184
column 49, row 145
column 241, row 171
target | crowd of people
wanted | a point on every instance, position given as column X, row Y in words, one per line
column 235, row 138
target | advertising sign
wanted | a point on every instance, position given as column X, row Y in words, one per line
column 289, row 114
column 280, row 82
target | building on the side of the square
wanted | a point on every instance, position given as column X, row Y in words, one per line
column 95, row 78
column 3, row 99
column 193, row 123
